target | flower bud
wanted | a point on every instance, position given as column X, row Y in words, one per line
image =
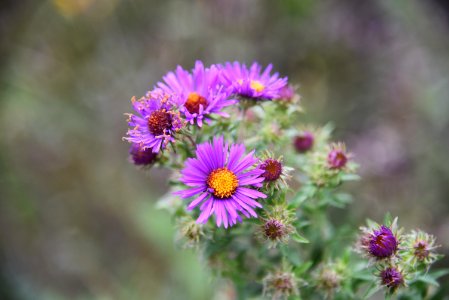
column 337, row 157
column 303, row 142
column 379, row 242
column 391, row 277
column 383, row 243
column 142, row 157
column 419, row 247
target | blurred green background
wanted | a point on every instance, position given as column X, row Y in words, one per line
column 77, row 221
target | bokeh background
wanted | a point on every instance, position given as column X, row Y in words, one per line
column 78, row 221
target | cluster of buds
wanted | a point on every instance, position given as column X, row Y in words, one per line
column 396, row 256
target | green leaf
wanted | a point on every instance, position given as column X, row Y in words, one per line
column 427, row 279
column 439, row 273
column 299, row 238
column 301, row 269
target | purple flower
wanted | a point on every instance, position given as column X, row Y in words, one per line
column 287, row 93
column 252, row 82
column 304, row 142
column 272, row 169
column 337, row 157
column 220, row 177
column 382, row 243
column 142, row 157
column 156, row 123
column 198, row 94
column 391, row 277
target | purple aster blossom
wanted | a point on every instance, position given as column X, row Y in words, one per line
column 252, row 82
column 337, row 157
column 198, row 94
column 221, row 177
column 391, row 277
column 156, row 122
column 382, row 243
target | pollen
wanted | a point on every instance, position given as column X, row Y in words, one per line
column 257, row 86
column 159, row 122
column 223, row 182
column 193, row 102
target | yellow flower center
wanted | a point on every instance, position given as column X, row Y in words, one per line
column 223, row 182
column 257, row 86
column 193, row 102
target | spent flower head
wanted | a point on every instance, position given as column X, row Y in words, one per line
column 280, row 285
column 328, row 278
column 189, row 232
column 276, row 225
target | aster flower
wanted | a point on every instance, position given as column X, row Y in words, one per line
column 221, row 179
column 252, row 83
column 391, row 277
column 142, row 156
column 380, row 241
column 156, row 122
column 337, row 157
column 198, row 94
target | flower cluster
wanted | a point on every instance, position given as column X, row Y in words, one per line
column 251, row 185
column 397, row 257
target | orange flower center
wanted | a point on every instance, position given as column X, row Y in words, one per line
column 257, row 86
column 223, row 183
column 159, row 121
column 193, row 102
